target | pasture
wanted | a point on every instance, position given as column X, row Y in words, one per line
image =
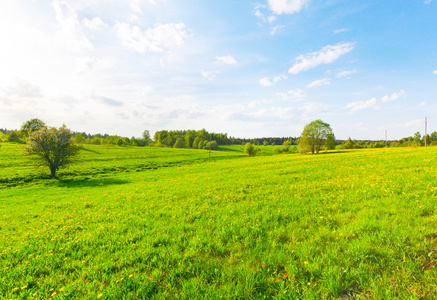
column 158, row 223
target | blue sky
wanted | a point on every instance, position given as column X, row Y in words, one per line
column 246, row 68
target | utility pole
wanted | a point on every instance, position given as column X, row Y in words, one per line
column 426, row 121
column 386, row 138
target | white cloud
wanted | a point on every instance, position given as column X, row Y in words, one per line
column 345, row 73
column 153, row 39
column 393, row 96
column 326, row 55
column 272, row 19
column 341, row 30
column 374, row 102
column 287, row 6
column 71, row 32
column 209, row 74
column 265, row 82
column 360, row 105
column 276, row 79
column 260, row 15
column 294, row 95
column 435, row 72
column 94, row 24
column 427, row 1
column 276, row 29
column 321, row 82
column 229, row 60
column 135, row 5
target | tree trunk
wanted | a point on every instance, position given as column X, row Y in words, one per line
column 53, row 171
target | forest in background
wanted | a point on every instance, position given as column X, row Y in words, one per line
column 201, row 139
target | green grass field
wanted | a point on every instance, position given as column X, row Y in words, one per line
column 157, row 223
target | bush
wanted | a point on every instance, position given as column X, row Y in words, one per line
column 214, row 145
column 277, row 150
column 286, row 146
column 14, row 137
column 250, row 149
column 96, row 141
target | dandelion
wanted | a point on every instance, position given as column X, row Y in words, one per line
column 24, row 287
column 99, row 295
column 130, row 276
column 53, row 294
column 305, row 262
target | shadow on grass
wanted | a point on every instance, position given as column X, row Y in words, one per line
column 88, row 150
column 224, row 149
column 89, row 182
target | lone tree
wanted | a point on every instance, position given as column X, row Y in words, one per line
column 52, row 147
column 313, row 136
column 250, row 149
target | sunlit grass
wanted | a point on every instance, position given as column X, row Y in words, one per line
column 357, row 224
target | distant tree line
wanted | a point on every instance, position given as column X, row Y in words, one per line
column 274, row 141
column 106, row 139
column 416, row 140
column 200, row 139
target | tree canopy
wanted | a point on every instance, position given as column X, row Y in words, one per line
column 314, row 135
column 32, row 125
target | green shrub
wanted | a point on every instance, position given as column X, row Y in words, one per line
column 250, row 149
column 286, row 146
column 277, row 150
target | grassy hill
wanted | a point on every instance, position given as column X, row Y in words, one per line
column 144, row 223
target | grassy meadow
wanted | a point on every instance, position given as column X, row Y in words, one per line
column 159, row 223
